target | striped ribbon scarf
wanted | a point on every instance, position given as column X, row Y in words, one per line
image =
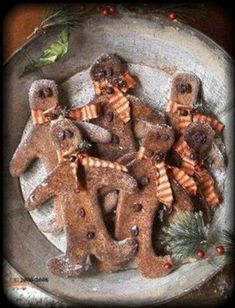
column 184, row 121
column 86, row 160
column 191, row 167
column 117, row 99
column 164, row 191
column 181, row 147
column 87, row 112
column 207, row 186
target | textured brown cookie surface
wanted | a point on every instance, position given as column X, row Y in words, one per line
column 199, row 137
column 107, row 67
column 84, row 227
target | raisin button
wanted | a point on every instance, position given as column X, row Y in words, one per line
column 109, row 90
column 134, row 230
column 137, row 207
column 144, row 180
column 81, row 212
column 109, row 116
column 90, row 235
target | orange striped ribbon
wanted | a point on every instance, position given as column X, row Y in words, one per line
column 176, row 107
column 130, row 81
column 87, row 160
column 207, row 187
column 96, row 162
column 184, row 151
column 215, row 124
column 118, row 101
column 184, row 180
column 164, row 192
column 188, row 165
column 120, row 104
column 87, row 112
column 182, row 148
column 38, row 116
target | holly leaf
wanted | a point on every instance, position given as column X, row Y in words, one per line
column 50, row 55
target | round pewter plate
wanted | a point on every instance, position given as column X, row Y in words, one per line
column 154, row 49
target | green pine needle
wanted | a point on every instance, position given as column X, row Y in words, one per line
column 84, row 146
column 186, row 234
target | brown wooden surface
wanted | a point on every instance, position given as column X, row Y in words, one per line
column 21, row 21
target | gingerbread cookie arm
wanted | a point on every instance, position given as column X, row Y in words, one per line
column 43, row 192
column 116, row 179
column 24, row 155
column 94, row 132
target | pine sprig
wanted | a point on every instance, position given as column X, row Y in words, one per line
column 84, row 146
column 57, row 15
column 186, row 234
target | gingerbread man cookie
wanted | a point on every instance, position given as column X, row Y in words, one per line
column 118, row 111
column 193, row 147
column 77, row 179
column 180, row 109
column 45, row 108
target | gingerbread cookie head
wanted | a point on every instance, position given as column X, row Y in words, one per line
column 185, row 88
column 199, row 137
column 158, row 141
column 107, row 67
column 43, row 95
column 65, row 135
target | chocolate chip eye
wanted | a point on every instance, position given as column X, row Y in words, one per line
column 184, row 88
column 43, row 93
column 122, row 83
column 68, row 133
column 164, row 137
column 199, row 137
column 48, row 92
column 40, row 93
column 158, row 135
column 108, row 72
column 60, row 135
column 189, row 88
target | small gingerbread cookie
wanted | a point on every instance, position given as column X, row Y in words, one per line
column 193, row 147
column 76, row 180
column 180, row 109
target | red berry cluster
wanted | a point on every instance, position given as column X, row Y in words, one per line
column 219, row 250
column 109, row 10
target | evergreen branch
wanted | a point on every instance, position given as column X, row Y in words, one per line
column 65, row 15
column 84, row 146
column 186, row 234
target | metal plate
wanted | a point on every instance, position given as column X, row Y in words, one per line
column 155, row 48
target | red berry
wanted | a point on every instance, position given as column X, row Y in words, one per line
column 105, row 12
column 167, row 265
column 200, row 254
column 220, row 250
column 112, row 9
column 172, row 15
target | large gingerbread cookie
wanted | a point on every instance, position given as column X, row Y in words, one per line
column 76, row 180
column 45, row 108
column 119, row 112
